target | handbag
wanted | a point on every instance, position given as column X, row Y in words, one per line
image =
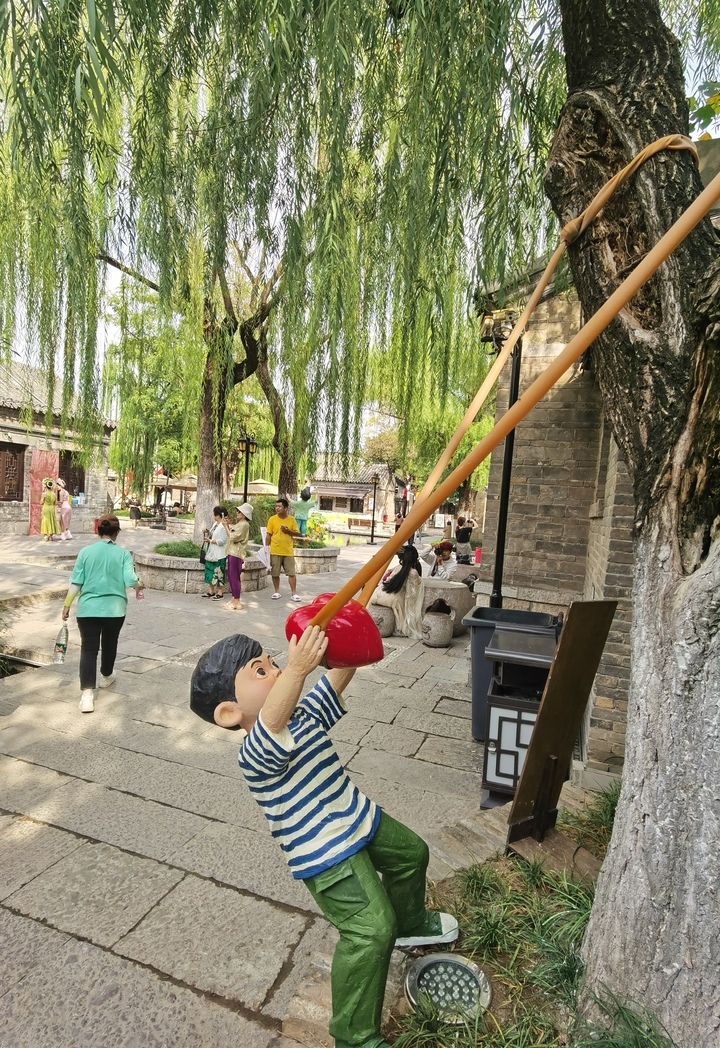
column 203, row 550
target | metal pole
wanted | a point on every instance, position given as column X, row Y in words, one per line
column 372, row 524
column 496, row 599
column 247, row 468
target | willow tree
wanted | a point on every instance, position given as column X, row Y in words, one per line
column 386, row 155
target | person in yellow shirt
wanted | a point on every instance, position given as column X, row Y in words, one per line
column 281, row 530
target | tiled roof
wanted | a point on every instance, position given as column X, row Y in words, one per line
column 330, row 469
column 22, row 386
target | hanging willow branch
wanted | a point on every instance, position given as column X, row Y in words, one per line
column 384, row 158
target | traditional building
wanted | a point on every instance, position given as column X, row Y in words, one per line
column 29, row 452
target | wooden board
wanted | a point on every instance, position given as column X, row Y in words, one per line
column 559, row 854
column 562, row 707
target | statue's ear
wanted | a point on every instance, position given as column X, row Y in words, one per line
column 228, row 715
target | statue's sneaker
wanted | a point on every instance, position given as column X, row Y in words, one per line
column 437, row 928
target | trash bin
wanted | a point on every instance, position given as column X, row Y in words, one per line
column 482, row 622
column 478, row 554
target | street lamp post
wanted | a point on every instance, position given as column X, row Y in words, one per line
column 375, row 481
column 499, row 330
column 247, row 447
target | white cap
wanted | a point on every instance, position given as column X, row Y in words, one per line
column 246, row 510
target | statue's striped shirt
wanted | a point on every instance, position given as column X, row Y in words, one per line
column 316, row 813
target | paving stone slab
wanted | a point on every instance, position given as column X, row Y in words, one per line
column 245, row 859
column 24, row 784
column 215, row 751
column 351, row 728
column 139, row 665
column 96, row 891
column 216, row 939
column 24, row 943
column 210, row 795
column 65, row 993
column 415, row 774
column 314, row 950
column 393, row 739
column 26, row 849
column 374, row 706
column 453, row 753
column 113, row 817
column 455, row 707
column 433, row 723
column 421, row 809
column 448, row 674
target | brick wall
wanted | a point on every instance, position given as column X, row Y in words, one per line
column 609, row 575
column 570, row 516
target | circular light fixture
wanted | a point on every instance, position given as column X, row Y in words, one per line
column 453, row 984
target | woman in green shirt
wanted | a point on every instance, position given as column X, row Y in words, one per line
column 102, row 574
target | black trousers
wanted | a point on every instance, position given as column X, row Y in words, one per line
column 94, row 633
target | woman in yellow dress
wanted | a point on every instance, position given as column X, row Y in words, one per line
column 48, row 523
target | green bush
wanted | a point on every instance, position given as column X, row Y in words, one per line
column 316, row 529
column 263, row 508
column 181, row 548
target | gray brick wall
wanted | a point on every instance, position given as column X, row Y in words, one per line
column 570, row 516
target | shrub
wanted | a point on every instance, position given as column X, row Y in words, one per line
column 316, row 529
column 181, row 548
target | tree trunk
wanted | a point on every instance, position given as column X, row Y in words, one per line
column 212, row 483
column 283, row 437
column 652, row 937
column 209, row 482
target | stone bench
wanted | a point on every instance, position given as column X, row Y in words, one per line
column 187, row 575
column 457, row 595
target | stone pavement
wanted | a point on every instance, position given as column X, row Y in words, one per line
column 142, row 900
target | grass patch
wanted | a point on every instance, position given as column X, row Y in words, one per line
column 591, row 828
column 181, row 548
column 524, row 926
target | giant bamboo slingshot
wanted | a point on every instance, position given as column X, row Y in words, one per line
column 430, row 498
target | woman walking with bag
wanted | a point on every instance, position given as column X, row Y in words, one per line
column 102, row 574
column 238, row 537
column 215, row 555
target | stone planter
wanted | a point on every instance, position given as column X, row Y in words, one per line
column 437, row 629
column 312, row 561
column 186, row 575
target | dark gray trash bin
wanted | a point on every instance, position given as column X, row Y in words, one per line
column 482, row 622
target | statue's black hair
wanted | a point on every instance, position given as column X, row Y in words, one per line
column 213, row 679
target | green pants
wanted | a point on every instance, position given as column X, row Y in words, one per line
column 370, row 912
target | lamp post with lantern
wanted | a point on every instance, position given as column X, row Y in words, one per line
column 375, row 481
column 247, row 446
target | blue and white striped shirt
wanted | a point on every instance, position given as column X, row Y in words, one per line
column 316, row 813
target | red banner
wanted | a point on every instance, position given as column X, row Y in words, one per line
column 42, row 464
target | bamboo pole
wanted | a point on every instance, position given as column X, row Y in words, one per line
column 570, row 232
column 542, row 385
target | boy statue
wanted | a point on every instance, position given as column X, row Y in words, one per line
column 365, row 870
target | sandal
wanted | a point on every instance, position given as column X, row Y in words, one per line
column 209, row 595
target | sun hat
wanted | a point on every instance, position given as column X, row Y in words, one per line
column 60, row 482
column 246, row 510
column 48, row 482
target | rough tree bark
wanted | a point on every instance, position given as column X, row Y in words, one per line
column 212, row 409
column 653, row 934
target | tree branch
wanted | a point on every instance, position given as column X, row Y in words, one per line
column 101, row 257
